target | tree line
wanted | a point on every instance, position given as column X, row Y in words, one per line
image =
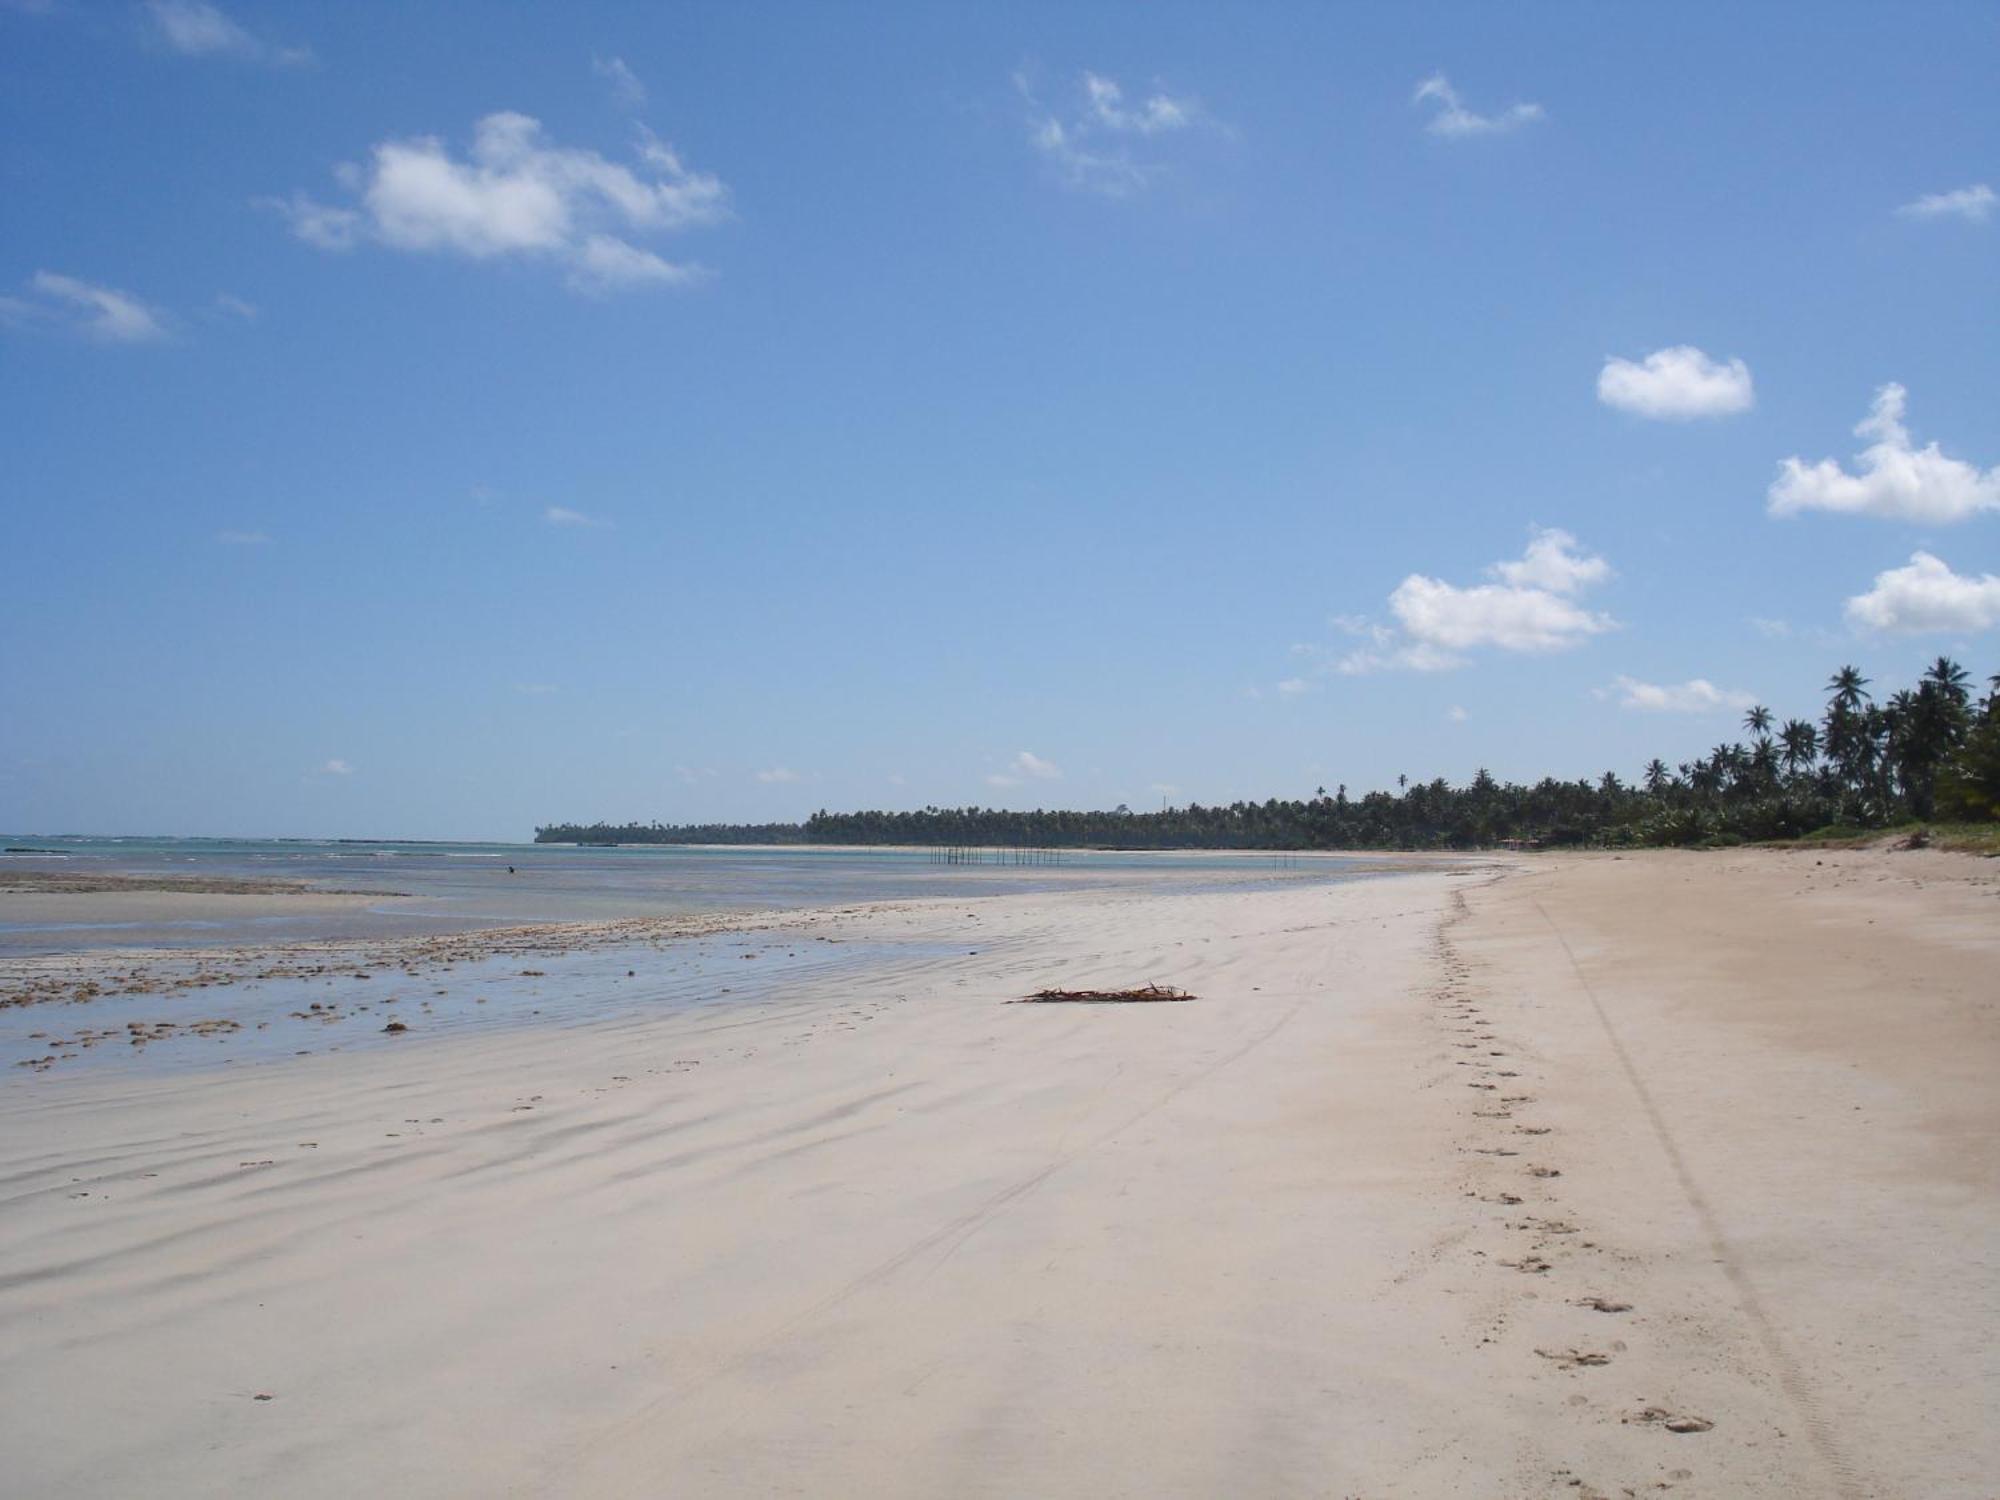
column 1931, row 751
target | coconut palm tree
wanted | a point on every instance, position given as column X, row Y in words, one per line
column 1658, row 779
column 1849, row 688
column 1801, row 743
column 1758, row 720
column 1950, row 679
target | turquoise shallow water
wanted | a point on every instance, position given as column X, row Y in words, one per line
column 456, row 887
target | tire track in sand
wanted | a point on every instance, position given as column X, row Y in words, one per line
column 1790, row 1376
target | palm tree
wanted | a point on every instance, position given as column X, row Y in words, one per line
column 1657, row 777
column 1950, row 679
column 1849, row 688
column 1801, row 743
column 1764, row 758
column 1758, row 720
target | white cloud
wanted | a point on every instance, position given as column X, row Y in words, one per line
column 99, row 312
column 1895, row 480
column 626, row 89
column 1029, row 764
column 1157, row 113
column 562, row 515
column 693, row 774
column 1676, row 384
column 1975, row 203
column 243, row 538
column 1771, row 630
column 1513, row 618
column 1552, row 562
column 1293, row 687
column 336, row 767
column 1455, row 120
column 1456, row 714
column 1528, row 610
column 1695, row 696
column 515, row 195
column 1089, row 145
column 194, row 28
column 778, row 775
column 247, row 311
column 1927, row 596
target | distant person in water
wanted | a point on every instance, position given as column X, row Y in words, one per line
column 510, row 869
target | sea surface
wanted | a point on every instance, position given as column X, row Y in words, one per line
column 441, row 888
column 449, row 888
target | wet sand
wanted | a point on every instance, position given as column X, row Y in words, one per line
column 1570, row 1176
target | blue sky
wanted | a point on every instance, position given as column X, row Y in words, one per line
column 431, row 421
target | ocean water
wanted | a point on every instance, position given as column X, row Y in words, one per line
column 436, row 888
column 444, row 888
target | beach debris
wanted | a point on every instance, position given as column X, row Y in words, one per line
column 395, row 1026
column 1571, row 1359
column 1144, row 994
column 1658, row 1416
column 1603, row 1304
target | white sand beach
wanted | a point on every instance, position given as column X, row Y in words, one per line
column 1335, row 1227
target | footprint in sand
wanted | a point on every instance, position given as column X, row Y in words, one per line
column 1603, row 1304
column 1544, row 1172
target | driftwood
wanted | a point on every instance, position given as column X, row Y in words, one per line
column 1143, row 994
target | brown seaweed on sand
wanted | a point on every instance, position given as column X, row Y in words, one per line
column 1143, row 994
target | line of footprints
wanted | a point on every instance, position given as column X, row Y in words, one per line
column 1494, row 1082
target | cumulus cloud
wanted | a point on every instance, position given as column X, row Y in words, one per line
column 1926, row 596
column 1695, row 696
column 1975, row 203
column 1454, row 120
column 194, row 28
column 1089, row 143
column 336, row 767
column 514, row 195
column 97, row 312
column 562, row 515
column 1552, row 562
column 1676, row 384
column 1531, row 608
column 1894, row 479
column 1456, row 714
column 778, row 775
column 1293, row 687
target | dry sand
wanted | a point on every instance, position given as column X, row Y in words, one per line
column 1326, row 1230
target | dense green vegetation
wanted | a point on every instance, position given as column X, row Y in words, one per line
column 1927, row 752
